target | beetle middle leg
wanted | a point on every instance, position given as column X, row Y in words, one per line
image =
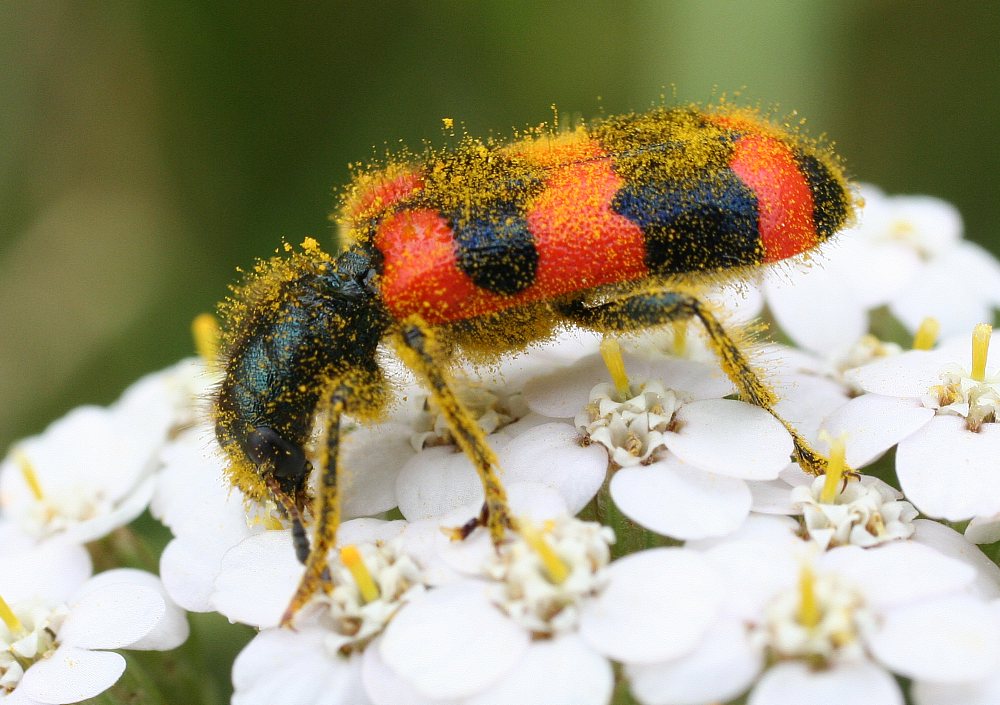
column 416, row 347
column 656, row 306
column 326, row 507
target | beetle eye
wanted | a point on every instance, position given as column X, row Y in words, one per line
column 266, row 447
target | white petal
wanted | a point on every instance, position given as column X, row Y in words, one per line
column 945, row 294
column 371, row 460
column 188, row 573
column 131, row 505
column 112, row 615
column 564, row 393
column 51, row 570
column 739, row 562
column 721, row 668
column 386, row 687
column 909, row 374
column 772, row 497
column 874, row 423
column 730, row 438
column 978, row 267
column 70, row 675
column 984, row 529
column 452, row 642
column 880, row 270
column 294, row 668
column 950, row 640
column 805, row 400
column 984, row 692
column 657, row 605
column 794, row 683
column 899, row 572
column 696, row 379
column 257, row 579
column 815, row 308
column 948, row 471
column 951, row 543
column 436, row 481
column 677, row 500
column 560, row 671
column 551, row 455
column 172, row 629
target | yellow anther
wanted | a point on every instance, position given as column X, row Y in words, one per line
column 680, row 338
column 927, row 334
column 351, row 558
column 205, row 331
column 29, row 475
column 809, row 615
column 980, row 348
column 834, row 467
column 611, row 351
column 9, row 618
column 310, row 244
column 555, row 567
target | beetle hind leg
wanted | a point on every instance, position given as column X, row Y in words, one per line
column 416, row 347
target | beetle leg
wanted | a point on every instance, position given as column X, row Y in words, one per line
column 416, row 347
column 292, row 510
column 658, row 306
column 326, row 509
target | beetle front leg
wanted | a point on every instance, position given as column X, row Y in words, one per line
column 416, row 347
column 326, row 508
column 657, row 306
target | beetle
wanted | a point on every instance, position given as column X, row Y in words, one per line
column 483, row 249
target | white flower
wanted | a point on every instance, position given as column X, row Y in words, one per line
column 864, row 513
column 321, row 660
column 835, row 626
column 906, row 252
column 56, row 652
column 87, row 474
column 676, row 477
column 943, row 415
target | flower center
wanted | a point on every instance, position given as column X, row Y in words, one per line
column 27, row 634
column 493, row 409
column 818, row 621
column 972, row 394
column 546, row 571
column 53, row 512
column 370, row 583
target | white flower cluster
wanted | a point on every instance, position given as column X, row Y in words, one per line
column 87, row 475
column 667, row 549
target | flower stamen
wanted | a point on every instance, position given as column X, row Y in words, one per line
column 555, row 567
column 835, row 467
column 9, row 618
column 351, row 558
column 808, row 614
column 927, row 334
column 30, row 476
column 611, row 352
column 980, row 347
column 205, row 331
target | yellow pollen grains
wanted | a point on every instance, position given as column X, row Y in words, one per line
column 555, row 567
column 809, row 614
column 927, row 334
column 351, row 558
column 30, row 476
column 611, row 352
column 9, row 618
column 834, row 468
column 980, row 348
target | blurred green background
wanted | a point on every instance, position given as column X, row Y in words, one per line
column 150, row 148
